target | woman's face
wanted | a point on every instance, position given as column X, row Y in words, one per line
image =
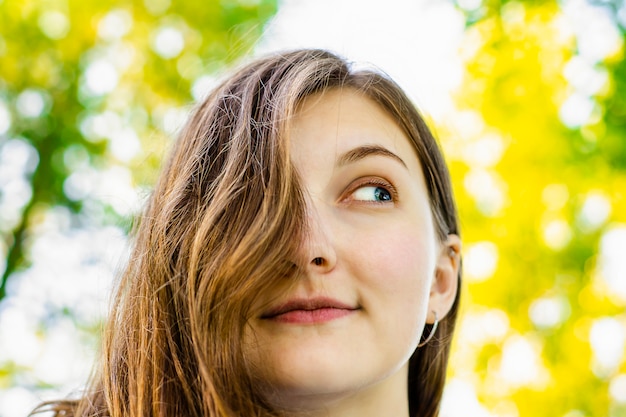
column 348, row 327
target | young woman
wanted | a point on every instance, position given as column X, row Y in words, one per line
column 298, row 257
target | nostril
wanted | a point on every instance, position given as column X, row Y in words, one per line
column 318, row 261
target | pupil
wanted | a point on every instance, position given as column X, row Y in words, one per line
column 382, row 195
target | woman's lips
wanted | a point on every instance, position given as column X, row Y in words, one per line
column 309, row 311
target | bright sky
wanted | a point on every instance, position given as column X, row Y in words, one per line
column 414, row 41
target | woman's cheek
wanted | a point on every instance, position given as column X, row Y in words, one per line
column 400, row 253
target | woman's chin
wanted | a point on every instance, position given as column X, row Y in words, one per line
column 323, row 367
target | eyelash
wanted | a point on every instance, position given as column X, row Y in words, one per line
column 374, row 182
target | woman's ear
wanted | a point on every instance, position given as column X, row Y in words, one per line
column 445, row 282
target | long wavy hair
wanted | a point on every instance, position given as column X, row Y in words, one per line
column 224, row 224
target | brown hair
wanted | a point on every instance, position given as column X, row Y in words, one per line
column 223, row 225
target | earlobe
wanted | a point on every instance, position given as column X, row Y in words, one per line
column 446, row 282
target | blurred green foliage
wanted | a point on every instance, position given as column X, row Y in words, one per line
column 544, row 95
column 90, row 83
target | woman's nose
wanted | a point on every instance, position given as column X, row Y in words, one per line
column 319, row 246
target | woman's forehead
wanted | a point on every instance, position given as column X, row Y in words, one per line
column 331, row 123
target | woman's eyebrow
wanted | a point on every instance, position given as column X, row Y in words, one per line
column 358, row 153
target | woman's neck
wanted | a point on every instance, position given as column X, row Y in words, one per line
column 387, row 398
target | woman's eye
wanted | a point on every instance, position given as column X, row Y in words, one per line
column 372, row 193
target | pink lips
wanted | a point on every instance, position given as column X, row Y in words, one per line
column 309, row 311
